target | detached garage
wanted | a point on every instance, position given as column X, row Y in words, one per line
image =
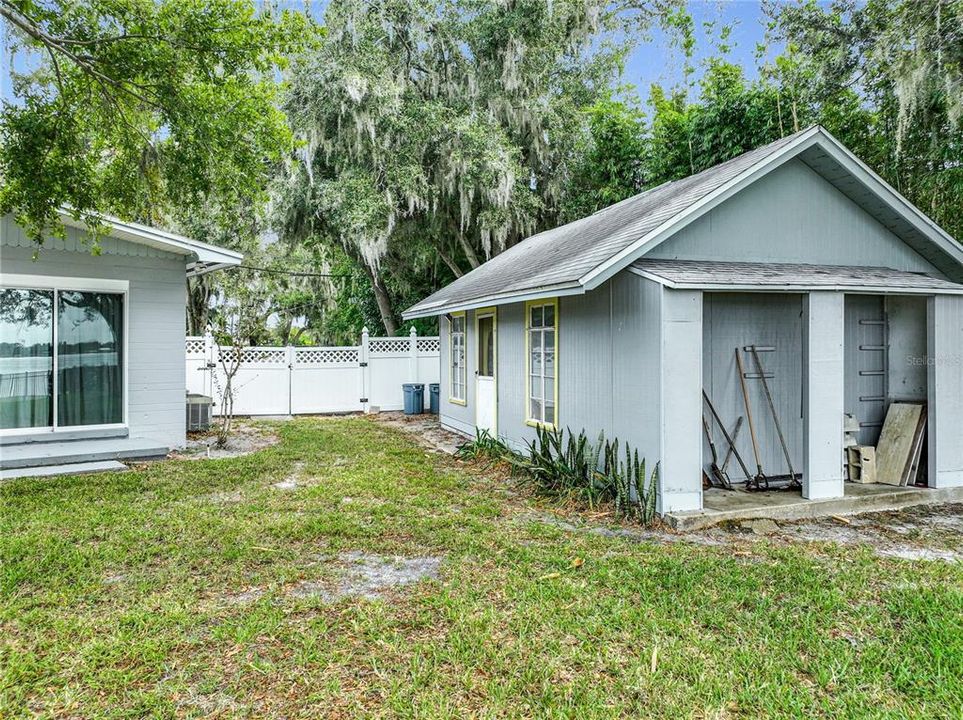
column 834, row 293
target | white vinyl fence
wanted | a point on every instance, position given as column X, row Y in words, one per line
column 304, row 380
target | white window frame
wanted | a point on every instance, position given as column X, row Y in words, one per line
column 452, row 369
column 553, row 385
column 56, row 284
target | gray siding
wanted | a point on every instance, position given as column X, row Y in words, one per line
column 793, row 215
column 156, row 319
column 907, row 347
column 945, row 390
column 454, row 415
column 608, row 364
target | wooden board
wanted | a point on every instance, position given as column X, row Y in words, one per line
column 894, row 452
column 909, row 477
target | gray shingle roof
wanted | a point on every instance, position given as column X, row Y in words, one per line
column 579, row 255
column 564, row 254
column 704, row 274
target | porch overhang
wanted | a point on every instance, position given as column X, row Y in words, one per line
column 716, row 276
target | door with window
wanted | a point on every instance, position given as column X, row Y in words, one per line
column 61, row 359
column 486, row 395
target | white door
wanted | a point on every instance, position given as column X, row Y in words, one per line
column 486, row 395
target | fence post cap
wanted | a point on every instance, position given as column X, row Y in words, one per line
column 413, row 332
column 364, row 330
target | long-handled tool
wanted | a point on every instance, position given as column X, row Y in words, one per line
column 735, row 436
column 728, row 438
column 760, row 480
column 793, row 480
column 717, row 473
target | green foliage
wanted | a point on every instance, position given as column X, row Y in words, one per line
column 135, row 107
column 484, row 446
column 607, row 165
column 887, row 77
column 435, row 135
column 562, row 464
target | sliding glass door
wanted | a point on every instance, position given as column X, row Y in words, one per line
column 26, row 358
column 61, row 358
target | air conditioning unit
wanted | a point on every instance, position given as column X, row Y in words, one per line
column 198, row 412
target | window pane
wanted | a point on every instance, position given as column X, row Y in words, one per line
column 90, row 370
column 550, row 412
column 550, row 353
column 535, row 318
column 549, row 316
column 535, row 409
column 458, row 324
column 535, row 348
column 26, row 358
column 535, row 387
column 486, row 346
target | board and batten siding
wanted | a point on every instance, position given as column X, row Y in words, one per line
column 793, row 215
column 456, row 416
column 610, row 362
column 156, row 379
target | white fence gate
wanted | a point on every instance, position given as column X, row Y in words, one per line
column 305, row 380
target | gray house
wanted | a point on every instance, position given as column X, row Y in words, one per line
column 618, row 321
column 92, row 346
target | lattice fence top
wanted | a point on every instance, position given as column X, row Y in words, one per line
column 196, row 346
column 257, row 356
column 325, row 356
column 429, row 345
column 388, row 345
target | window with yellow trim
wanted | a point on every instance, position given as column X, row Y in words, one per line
column 542, row 362
column 457, row 355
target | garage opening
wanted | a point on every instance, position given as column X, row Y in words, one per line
column 885, row 362
column 733, row 325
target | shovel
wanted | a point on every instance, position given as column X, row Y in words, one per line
column 760, row 480
column 718, row 473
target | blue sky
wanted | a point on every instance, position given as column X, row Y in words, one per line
column 657, row 62
column 654, row 61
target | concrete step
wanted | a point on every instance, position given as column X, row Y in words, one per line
column 723, row 506
column 41, row 454
column 69, row 469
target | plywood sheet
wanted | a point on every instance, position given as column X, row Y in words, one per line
column 896, row 442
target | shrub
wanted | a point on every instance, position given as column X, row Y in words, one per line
column 570, row 468
column 485, row 447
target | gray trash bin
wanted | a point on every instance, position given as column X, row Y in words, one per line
column 433, row 390
column 414, row 398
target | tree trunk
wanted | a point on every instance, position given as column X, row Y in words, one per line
column 198, row 305
column 384, row 302
column 450, row 262
column 469, row 251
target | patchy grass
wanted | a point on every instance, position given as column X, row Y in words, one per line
column 197, row 588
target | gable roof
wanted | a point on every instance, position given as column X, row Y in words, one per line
column 583, row 254
column 767, row 277
column 201, row 257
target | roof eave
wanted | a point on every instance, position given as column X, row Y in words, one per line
column 794, row 287
column 203, row 253
column 496, row 299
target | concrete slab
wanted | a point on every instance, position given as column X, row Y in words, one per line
column 71, row 469
column 722, row 506
column 40, row 454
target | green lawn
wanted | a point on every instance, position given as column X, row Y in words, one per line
column 186, row 589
